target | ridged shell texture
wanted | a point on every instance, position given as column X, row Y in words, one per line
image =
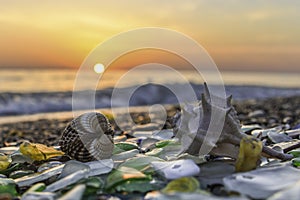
column 88, row 137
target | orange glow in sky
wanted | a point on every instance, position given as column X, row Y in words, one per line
column 239, row 35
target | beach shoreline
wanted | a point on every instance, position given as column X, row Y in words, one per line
column 47, row 128
column 12, row 103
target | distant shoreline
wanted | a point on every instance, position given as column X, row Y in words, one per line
column 14, row 103
column 58, row 80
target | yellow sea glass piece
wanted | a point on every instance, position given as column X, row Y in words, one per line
column 249, row 154
column 184, row 184
column 39, row 151
column 4, row 162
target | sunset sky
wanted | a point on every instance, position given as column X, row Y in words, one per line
column 239, row 35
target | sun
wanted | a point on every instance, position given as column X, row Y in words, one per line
column 99, row 68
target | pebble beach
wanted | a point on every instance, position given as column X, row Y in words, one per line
column 267, row 113
column 149, row 100
column 273, row 120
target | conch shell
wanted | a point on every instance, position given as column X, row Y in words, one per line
column 88, row 137
column 192, row 127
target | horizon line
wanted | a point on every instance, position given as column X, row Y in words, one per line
column 227, row 69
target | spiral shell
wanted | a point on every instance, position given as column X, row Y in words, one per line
column 88, row 137
column 191, row 126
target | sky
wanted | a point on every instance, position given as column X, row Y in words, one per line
column 238, row 35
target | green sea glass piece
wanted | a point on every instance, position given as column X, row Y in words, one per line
column 140, row 163
column 38, row 187
column 296, row 162
column 295, row 153
column 136, row 186
column 8, row 186
column 124, row 146
column 123, row 174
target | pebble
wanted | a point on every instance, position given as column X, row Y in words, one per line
column 286, row 145
column 100, row 167
column 3, row 176
column 148, row 144
column 18, row 157
column 145, row 127
column 176, row 169
column 257, row 133
column 278, row 137
column 120, row 138
column 48, row 165
column 164, row 134
column 39, row 195
column 71, row 167
column 20, row 173
column 249, row 128
column 134, row 140
column 142, row 134
column 256, row 113
column 34, row 178
column 294, row 133
column 75, row 194
column 66, row 181
column 296, row 127
column 8, row 150
column 287, row 120
column 125, row 155
column 292, row 192
column 273, row 122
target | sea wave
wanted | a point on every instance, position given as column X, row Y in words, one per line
column 149, row 94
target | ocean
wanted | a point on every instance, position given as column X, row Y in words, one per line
column 32, row 91
column 55, row 80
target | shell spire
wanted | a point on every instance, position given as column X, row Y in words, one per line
column 88, row 137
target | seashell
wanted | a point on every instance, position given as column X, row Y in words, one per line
column 88, row 137
column 192, row 123
column 193, row 127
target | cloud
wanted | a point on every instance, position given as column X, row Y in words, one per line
column 72, row 28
